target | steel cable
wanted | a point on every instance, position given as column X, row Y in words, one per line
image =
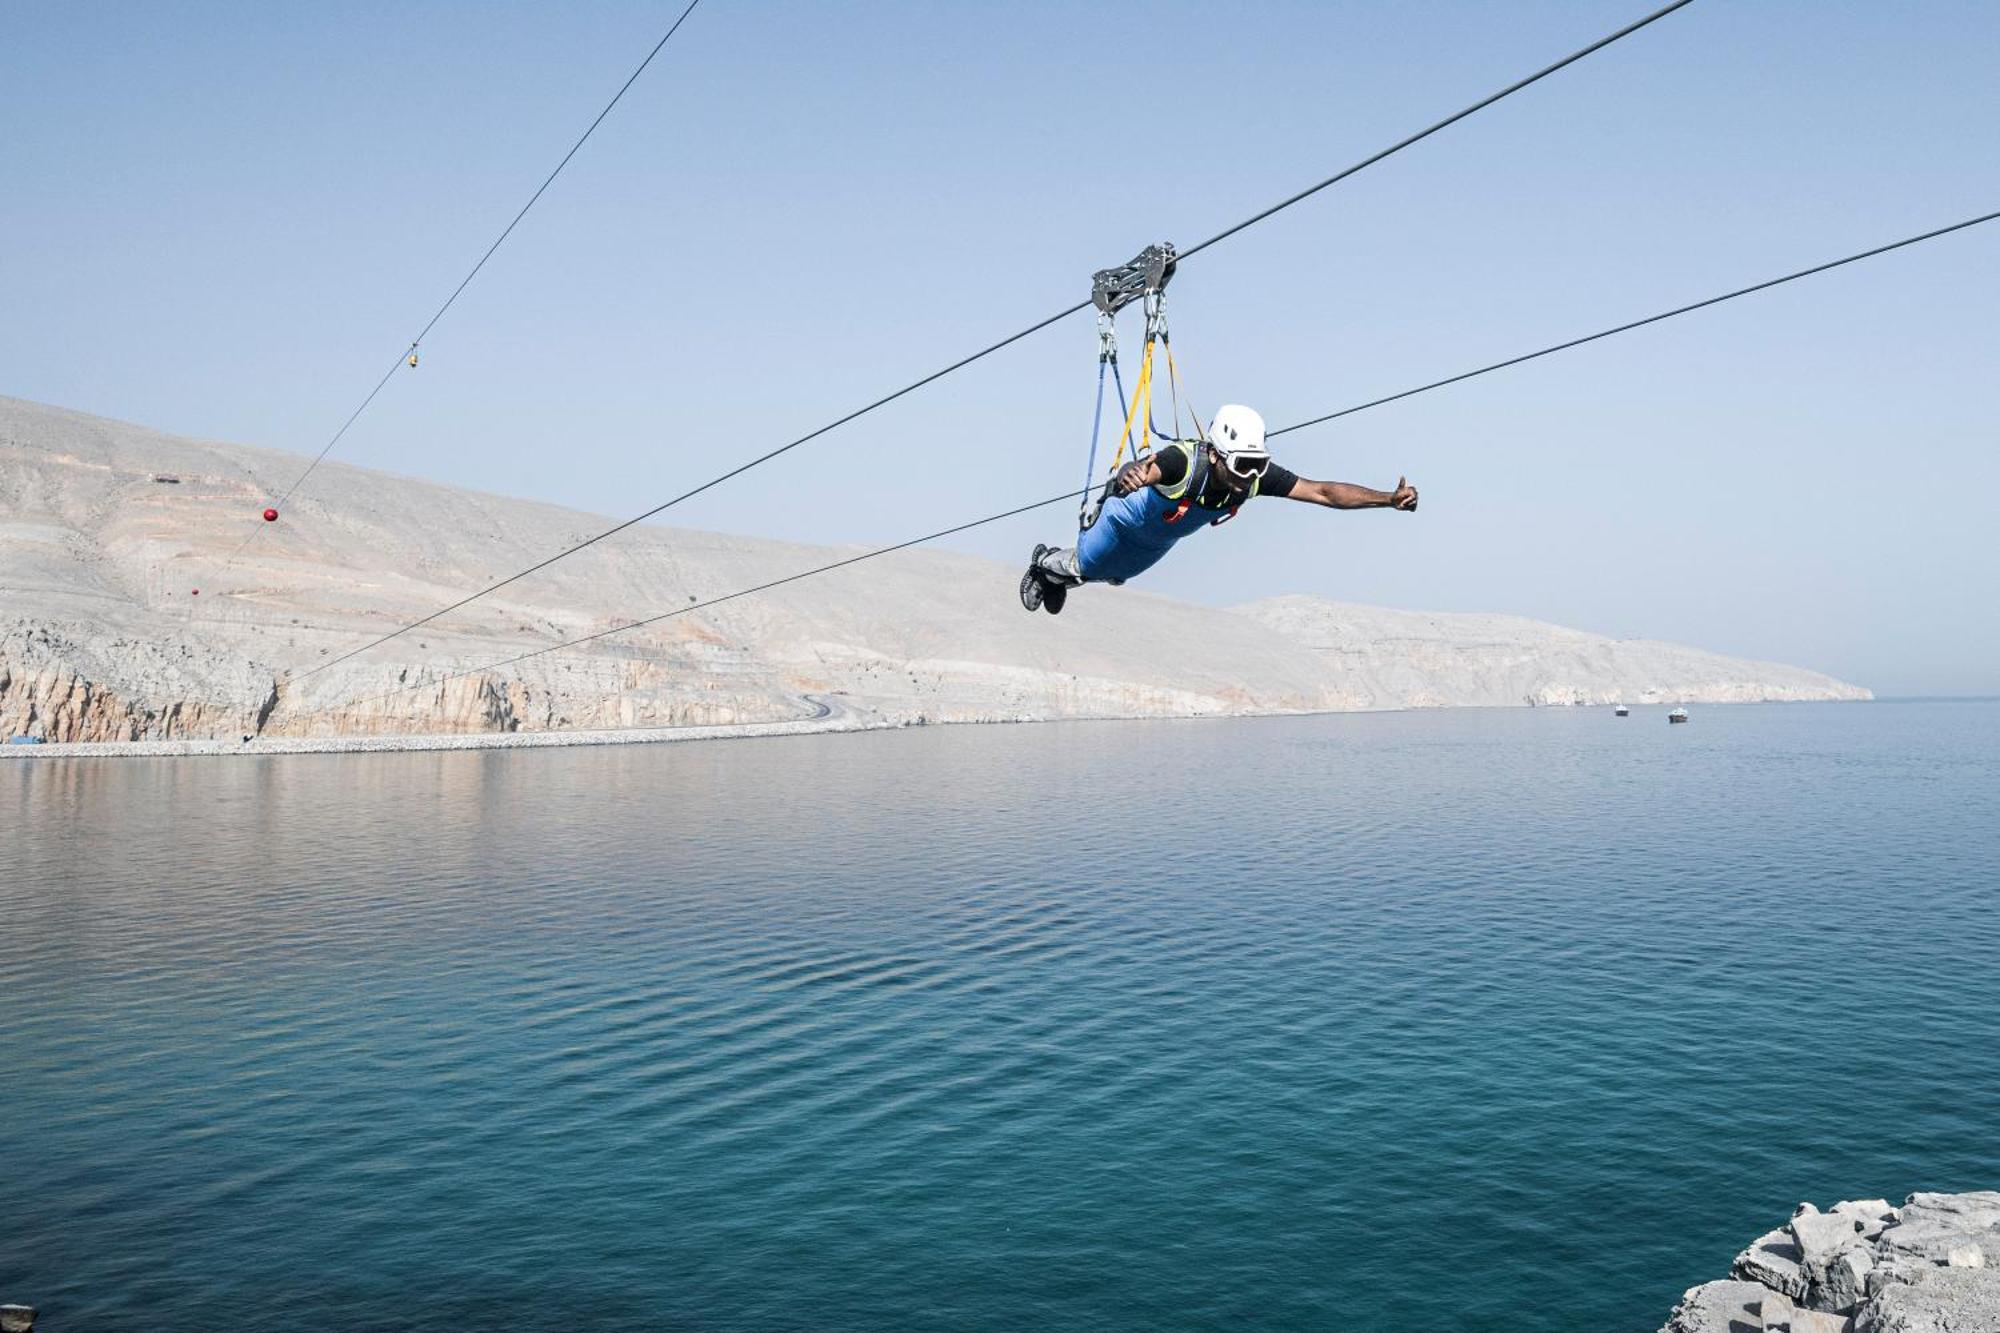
column 1284, row 430
column 1036, row 327
column 465, row 282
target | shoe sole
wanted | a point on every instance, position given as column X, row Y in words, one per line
column 1031, row 590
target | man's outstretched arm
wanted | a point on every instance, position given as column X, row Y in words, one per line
column 1346, row 495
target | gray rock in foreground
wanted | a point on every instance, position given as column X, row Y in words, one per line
column 1719, row 1307
column 1931, row 1266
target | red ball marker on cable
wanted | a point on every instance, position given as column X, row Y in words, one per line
column 270, row 516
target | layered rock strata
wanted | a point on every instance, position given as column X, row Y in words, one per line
column 1930, row 1266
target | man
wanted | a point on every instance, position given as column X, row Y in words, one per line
column 1182, row 488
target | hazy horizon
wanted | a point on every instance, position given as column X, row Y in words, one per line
column 224, row 222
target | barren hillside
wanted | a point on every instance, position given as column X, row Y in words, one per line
column 104, row 636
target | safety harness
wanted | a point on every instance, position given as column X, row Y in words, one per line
column 1187, row 494
column 1143, row 279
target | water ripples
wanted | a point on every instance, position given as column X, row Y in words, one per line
column 1486, row 1020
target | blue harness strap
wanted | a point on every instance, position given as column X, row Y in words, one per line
column 1092, row 504
column 1083, row 513
column 1093, row 500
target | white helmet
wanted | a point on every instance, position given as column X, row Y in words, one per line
column 1237, row 427
column 1238, row 433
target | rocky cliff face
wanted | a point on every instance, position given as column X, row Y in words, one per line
column 142, row 598
column 1930, row 1266
column 75, row 689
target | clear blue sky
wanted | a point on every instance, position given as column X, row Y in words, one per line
column 225, row 219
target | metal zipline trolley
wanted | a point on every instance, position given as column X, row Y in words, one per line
column 1143, row 279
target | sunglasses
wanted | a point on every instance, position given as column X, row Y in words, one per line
column 1245, row 464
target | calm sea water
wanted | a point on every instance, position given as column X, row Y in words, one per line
column 1503, row 1020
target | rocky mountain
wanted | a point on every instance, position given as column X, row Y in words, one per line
column 142, row 597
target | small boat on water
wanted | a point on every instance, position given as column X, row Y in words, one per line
column 1678, row 715
column 1621, row 711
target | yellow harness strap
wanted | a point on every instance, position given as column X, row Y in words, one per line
column 1139, row 410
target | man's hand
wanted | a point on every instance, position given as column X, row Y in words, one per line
column 1346, row 495
column 1133, row 476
